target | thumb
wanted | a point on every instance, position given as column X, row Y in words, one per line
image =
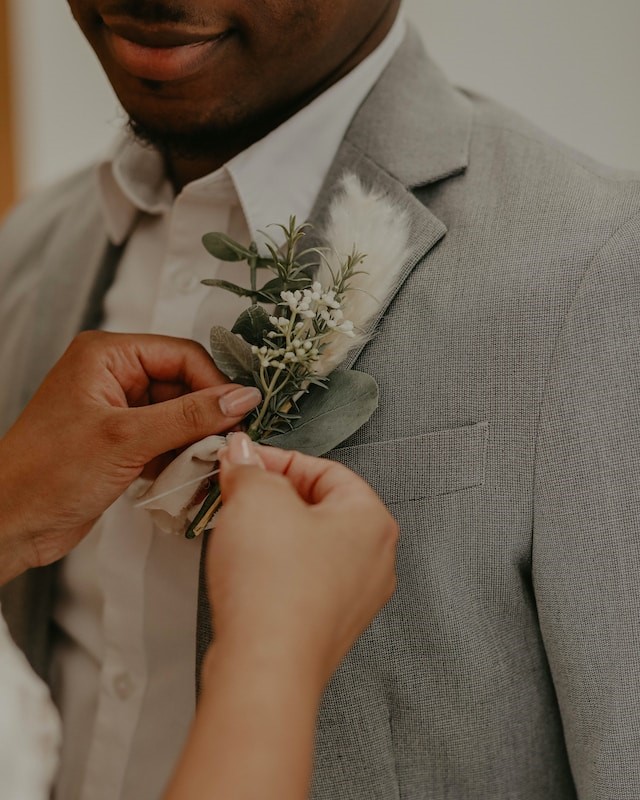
column 240, row 465
column 160, row 427
column 242, row 471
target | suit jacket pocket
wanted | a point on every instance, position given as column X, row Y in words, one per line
column 431, row 465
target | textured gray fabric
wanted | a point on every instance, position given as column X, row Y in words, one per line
column 506, row 667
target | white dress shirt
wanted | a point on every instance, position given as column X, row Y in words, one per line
column 124, row 661
column 29, row 727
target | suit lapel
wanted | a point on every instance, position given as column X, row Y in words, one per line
column 413, row 130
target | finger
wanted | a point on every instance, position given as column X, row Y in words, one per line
column 315, row 479
column 156, row 392
column 238, row 460
column 156, row 429
column 173, row 360
column 241, row 468
column 161, row 391
column 135, row 361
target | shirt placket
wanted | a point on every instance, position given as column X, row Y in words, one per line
column 180, row 291
column 124, row 668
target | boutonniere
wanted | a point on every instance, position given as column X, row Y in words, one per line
column 309, row 306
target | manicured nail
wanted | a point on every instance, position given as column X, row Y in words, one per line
column 240, row 450
column 240, row 401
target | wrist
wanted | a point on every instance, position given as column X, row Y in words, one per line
column 16, row 549
column 282, row 667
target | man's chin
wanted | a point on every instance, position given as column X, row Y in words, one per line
column 184, row 144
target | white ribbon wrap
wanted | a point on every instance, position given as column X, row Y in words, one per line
column 170, row 498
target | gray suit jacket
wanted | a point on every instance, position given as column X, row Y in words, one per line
column 507, row 444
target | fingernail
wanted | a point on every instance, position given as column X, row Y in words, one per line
column 240, row 401
column 240, row 449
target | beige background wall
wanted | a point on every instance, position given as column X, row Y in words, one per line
column 573, row 66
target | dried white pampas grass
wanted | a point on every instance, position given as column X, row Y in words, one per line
column 364, row 220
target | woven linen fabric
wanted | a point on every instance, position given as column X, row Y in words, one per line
column 506, row 444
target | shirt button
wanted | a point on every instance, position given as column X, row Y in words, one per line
column 185, row 281
column 123, row 685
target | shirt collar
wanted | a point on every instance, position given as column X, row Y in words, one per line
column 277, row 176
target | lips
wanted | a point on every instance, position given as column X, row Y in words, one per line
column 160, row 53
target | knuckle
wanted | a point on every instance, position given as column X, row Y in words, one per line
column 387, row 531
column 279, row 483
column 86, row 340
column 116, row 429
column 192, row 416
column 266, row 485
column 393, row 531
column 86, row 347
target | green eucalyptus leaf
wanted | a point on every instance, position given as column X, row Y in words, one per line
column 268, row 297
column 265, row 263
column 253, row 325
column 229, row 287
column 225, row 248
column 329, row 415
column 276, row 286
column 232, row 356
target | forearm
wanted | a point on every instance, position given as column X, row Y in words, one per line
column 253, row 735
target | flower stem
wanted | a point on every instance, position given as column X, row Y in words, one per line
column 265, row 405
column 207, row 510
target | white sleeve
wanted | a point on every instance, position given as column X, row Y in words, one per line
column 30, row 731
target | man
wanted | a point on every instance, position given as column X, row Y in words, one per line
column 506, row 442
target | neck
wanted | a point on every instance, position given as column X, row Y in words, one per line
column 183, row 169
